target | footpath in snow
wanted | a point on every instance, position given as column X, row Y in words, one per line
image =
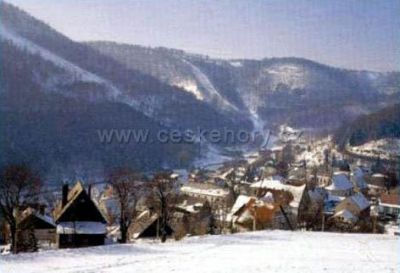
column 264, row 251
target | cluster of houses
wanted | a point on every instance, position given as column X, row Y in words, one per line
column 76, row 221
column 240, row 196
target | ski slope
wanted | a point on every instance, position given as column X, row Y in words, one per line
column 265, row 251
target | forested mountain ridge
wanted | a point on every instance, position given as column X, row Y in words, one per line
column 55, row 94
column 382, row 124
column 297, row 91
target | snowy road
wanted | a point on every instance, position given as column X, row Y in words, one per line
column 267, row 251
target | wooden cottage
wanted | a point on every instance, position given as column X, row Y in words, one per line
column 250, row 213
column 147, row 225
column 357, row 204
column 42, row 225
column 192, row 216
column 80, row 223
column 294, row 200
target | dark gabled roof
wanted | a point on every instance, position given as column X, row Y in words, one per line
column 36, row 220
column 76, row 193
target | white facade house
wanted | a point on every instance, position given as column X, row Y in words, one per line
column 341, row 185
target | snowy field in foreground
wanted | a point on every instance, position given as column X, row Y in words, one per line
column 266, row 251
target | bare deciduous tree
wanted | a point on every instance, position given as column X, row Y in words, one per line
column 127, row 189
column 18, row 185
column 165, row 196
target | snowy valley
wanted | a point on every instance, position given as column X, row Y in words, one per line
column 119, row 157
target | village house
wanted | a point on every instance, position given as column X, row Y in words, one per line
column 42, row 225
column 234, row 218
column 252, row 213
column 322, row 180
column 220, row 176
column 214, row 194
column 181, row 175
column 192, row 216
column 268, row 170
column 356, row 204
column 298, row 205
column 80, row 222
column 297, row 175
column 357, row 177
column 109, row 205
column 287, row 134
column 389, row 206
column 343, row 217
column 277, row 153
column 147, row 225
column 377, row 182
column 341, row 185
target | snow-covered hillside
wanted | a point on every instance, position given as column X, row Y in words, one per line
column 76, row 71
column 266, row 251
column 209, row 91
column 386, row 148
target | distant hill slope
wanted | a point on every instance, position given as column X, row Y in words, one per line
column 382, row 124
column 297, row 91
column 55, row 94
column 54, row 129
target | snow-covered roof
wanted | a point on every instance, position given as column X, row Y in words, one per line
column 358, row 178
column 268, row 198
column 379, row 175
column 145, row 213
column 277, row 148
column 81, row 228
column 142, row 222
column 244, row 217
column 226, row 173
column 30, row 212
column 45, row 218
column 358, row 171
column 216, row 192
column 296, row 191
column 191, row 204
column 335, row 198
column 241, row 200
column 386, row 148
column 346, row 215
column 340, row 182
column 361, row 201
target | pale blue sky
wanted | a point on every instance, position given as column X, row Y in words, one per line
column 359, row 34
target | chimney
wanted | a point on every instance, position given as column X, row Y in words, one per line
column 42, row 209
column 64, row 195
column 90, row 191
